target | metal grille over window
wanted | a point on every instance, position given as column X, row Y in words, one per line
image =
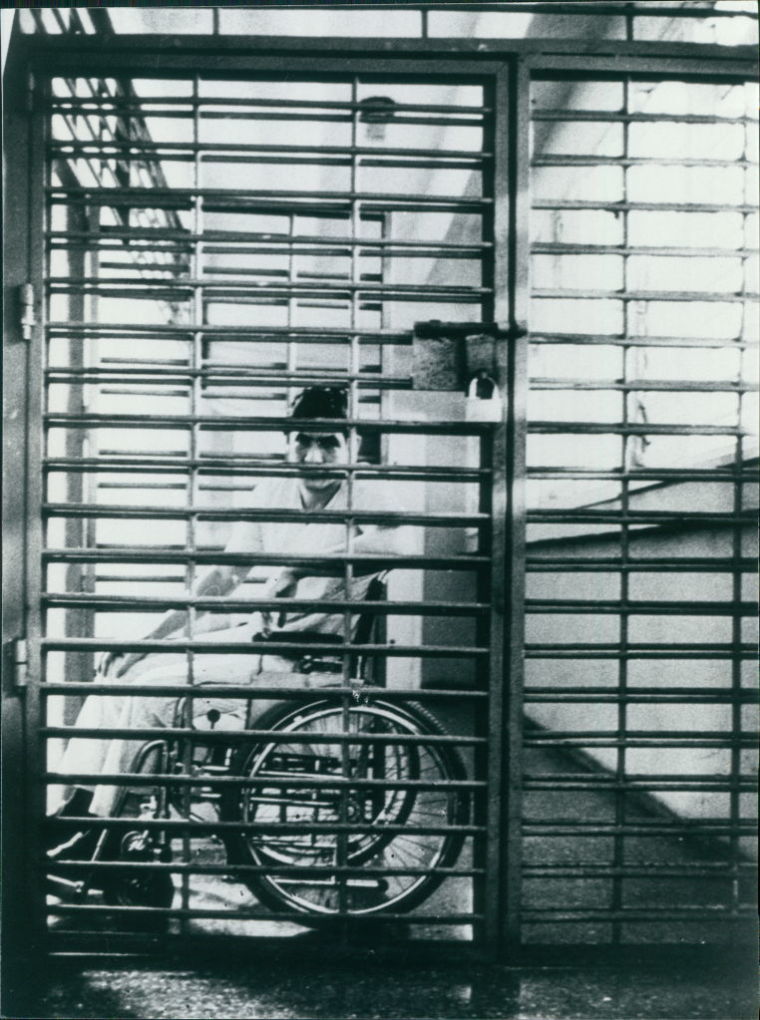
column 306, row 739
column 640, row 764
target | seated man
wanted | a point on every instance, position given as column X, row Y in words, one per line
column 308, row 491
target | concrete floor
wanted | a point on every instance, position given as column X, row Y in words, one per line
column 266, row 989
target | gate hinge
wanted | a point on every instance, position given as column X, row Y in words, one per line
column 20, row 663
column 27, row 320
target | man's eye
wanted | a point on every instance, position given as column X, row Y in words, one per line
column 328, row 445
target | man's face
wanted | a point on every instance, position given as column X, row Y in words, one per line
column 315, row 449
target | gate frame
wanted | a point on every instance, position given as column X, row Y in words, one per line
column 505, row 68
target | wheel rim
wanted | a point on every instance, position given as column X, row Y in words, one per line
column 315, row 881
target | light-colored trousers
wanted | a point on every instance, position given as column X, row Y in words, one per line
column 101, row 711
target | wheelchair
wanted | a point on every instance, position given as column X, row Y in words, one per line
column 352, row 804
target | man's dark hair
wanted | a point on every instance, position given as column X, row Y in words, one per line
column 320, row 402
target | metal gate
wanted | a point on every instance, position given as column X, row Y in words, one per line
column 214, row 241
column 213, row 246
column 641, row 498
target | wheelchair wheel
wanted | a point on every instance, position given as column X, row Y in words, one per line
column 137, row 888
column 363, row 843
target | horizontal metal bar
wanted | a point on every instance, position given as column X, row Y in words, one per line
column 211, row 239
column 631, row 740
column 666, row 915
column 245, row 375
column 144, row 104
column 555, row 738
column 169, row 111
column 108, row 284
column 332, row 249
column 639, row 695
column 591, row 159
column 557, row 735
column 140, row 369
column 272, row 647
column 591, row 516
column 624, row 206
column 643, row 295
column 718, row 565
column 265, row 294
column 239, row 514
column 277, row 424
column 684, row 827
column 623, row 117
column 285, row 781
column 113, row 146
column 327, row 204
column 237, row 198
column 337, row 692
column 735, row 474
column 235, row 913
column 657, row 872
column 587, row 650
column 633, row 785
column 315, row 871
column 476, row 58
column 162, row 554
column 623, row 9
column 639, row 429
column 650, row 608
column 221, row 155
column 617, row 339
column 268, row 424
column 644, row 385
column 129, row 603
column 301, row 334
column 637, row 250
column 214, row 465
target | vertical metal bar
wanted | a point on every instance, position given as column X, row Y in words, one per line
column 736, row 593
column 353, row 393
column 291, row 358
column 191, row 489
column 616, row 899
column 36, row 751
column 513, row 295
column 490, row 898
column 79, row 577
column 487, row 850
column 736, row 668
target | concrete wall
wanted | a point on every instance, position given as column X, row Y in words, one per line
column 704, row 629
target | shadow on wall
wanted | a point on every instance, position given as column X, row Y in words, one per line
column 682, row 716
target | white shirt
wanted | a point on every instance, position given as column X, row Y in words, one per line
column 312, row 539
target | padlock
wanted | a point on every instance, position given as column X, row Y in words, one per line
column 483, row 401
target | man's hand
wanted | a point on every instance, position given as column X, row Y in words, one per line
column 116, row 664
column 284, row 585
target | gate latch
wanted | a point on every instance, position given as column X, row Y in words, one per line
column 447, row 355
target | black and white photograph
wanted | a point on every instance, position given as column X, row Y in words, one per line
column 380, row 495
